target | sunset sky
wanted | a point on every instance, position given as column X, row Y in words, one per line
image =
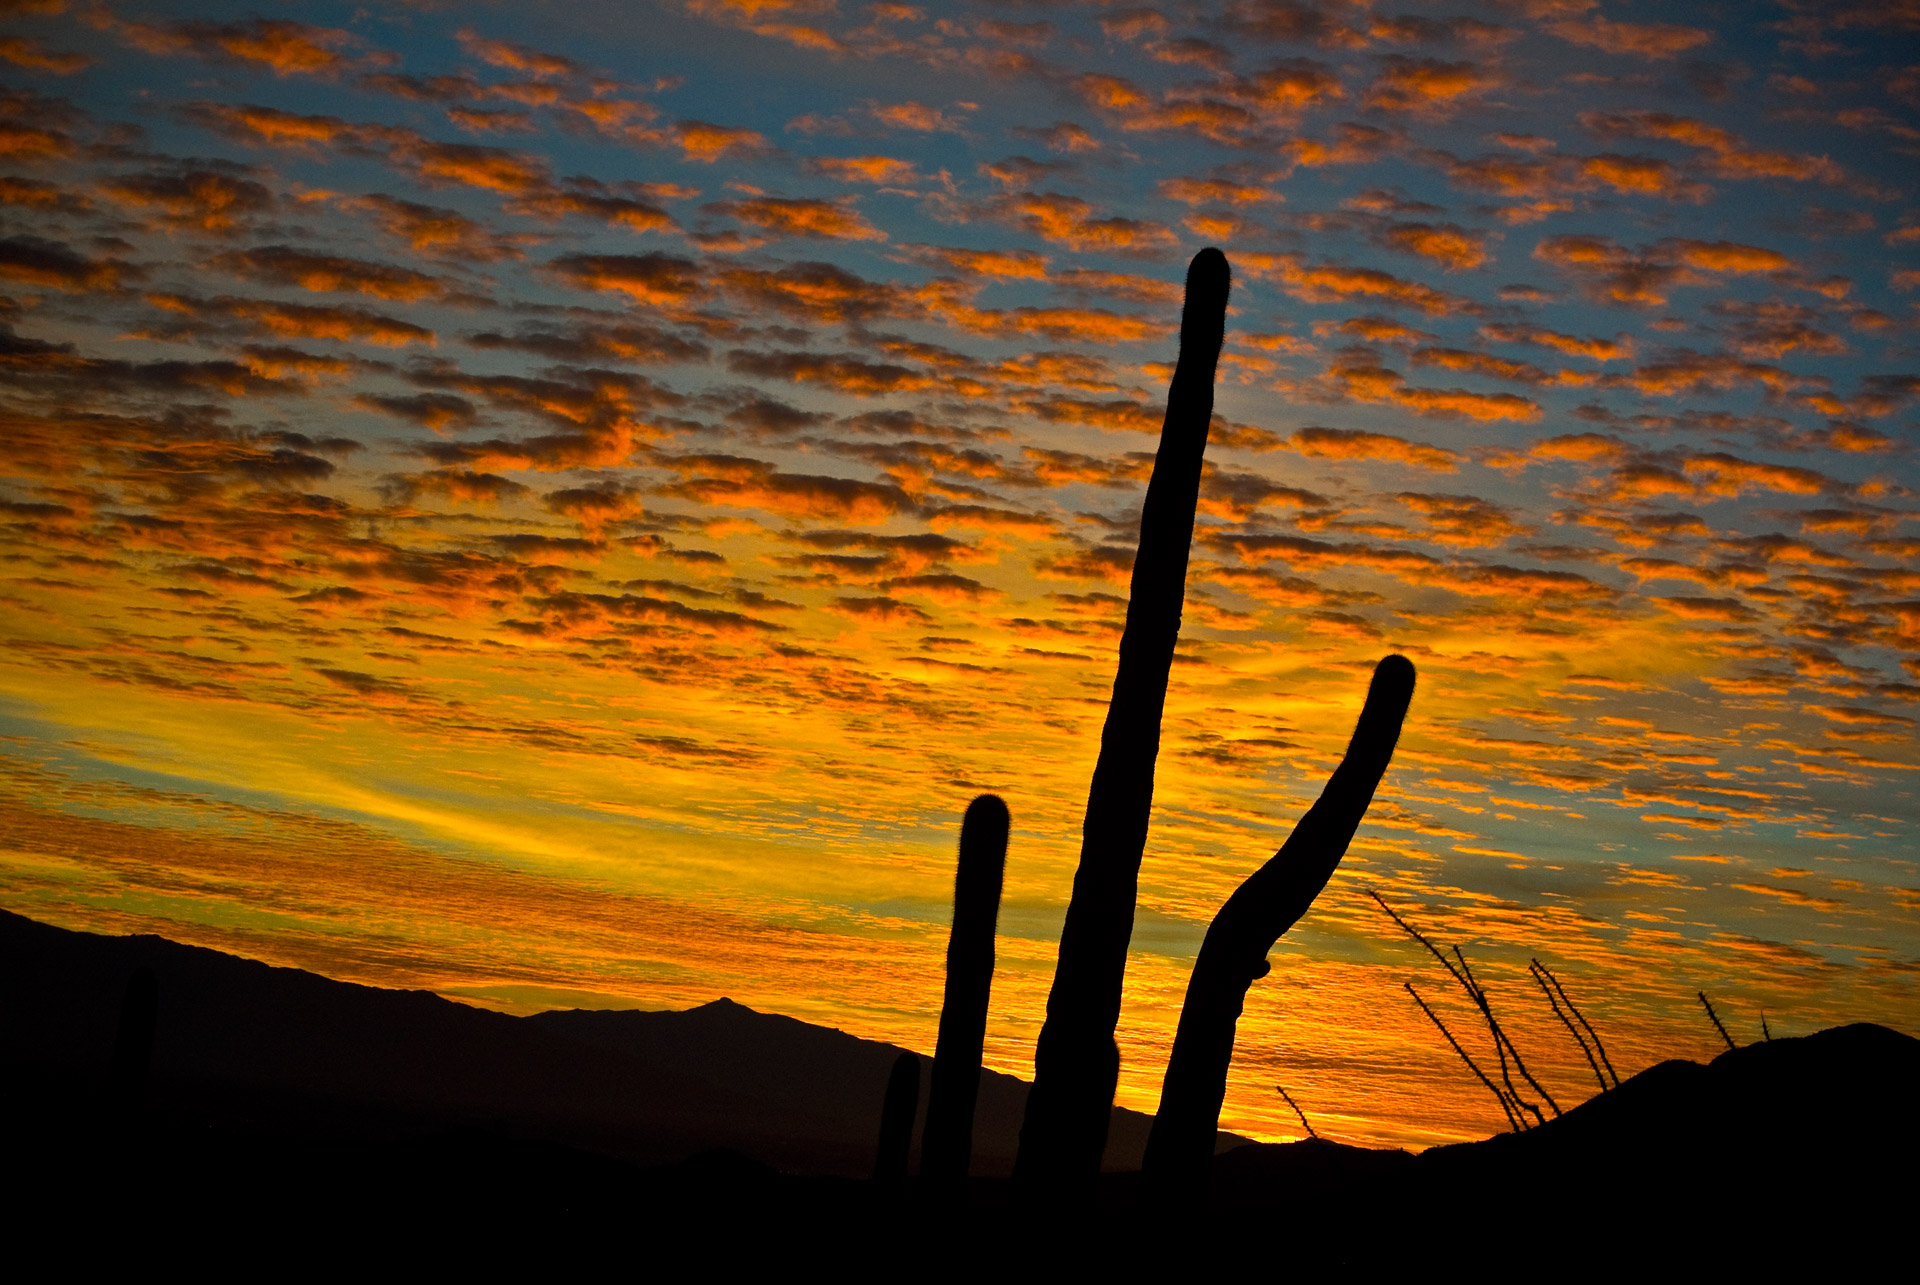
column 563, row 505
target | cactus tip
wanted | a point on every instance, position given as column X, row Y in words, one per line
column 1209, row 279
column 1397, row 671
column 988, row 809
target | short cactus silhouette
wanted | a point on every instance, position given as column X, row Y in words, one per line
column 1075, row 1063
column 896, row 1123
column 946, row 1144
column 133, row 1038
column 1271, row 901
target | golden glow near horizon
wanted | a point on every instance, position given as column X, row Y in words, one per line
column 568, row 512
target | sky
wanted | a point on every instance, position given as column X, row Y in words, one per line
column 565, row 505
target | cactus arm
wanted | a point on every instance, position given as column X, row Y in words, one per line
column 1065, row 1130
column 896, row 1124
column 946, row 1144
column 1234, row 953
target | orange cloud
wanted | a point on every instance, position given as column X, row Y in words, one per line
column 1328, row 283
column 583, row 197
column 1730, row 156
column 1361, row 377
column 1194, row 191
column 1642, row 174
column 1004, row 265
column 1428, row 85
column 284, row 266
column 1069, row 221
column 830, row 220
column 705, row 142
column 1480, row 363
column 733, row 481
column 878, row 170
column 269, row 126
column 657, row 279
column 1610, row 271
column 842, row 373
column 287, row 48
column 1355, row 444
column 433, row 230
column 462, row 485
column 303, row 321
column 1454, row 248
column 1598, row 349
column 196, row 198
column 35, row 261
column 34, row 56
column 501, row 53
column 1642, row 39
column 469, row 164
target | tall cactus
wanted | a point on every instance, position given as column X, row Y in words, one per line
column 896, row 1124
column 1075, row 1063
column 1234, row 954
column 946, row 1144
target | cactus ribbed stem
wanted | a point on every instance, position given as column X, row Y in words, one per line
column 896, row 1124
column 1075, row 1063
column 1273, row 898
column 946, row 1145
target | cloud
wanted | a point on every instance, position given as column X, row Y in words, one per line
column 1731, row 157
column 461, row 485
column 1070, row 221
column 1428, row 86
column 1609, row 271
column 285, row 48
column 1356, row 444
column 654, row 278
column 1454, row 248
column 440, row 412
column 343, row 323
column 732, row 481
column 1639, row 39
column 829, row 220
column 34, row 56
column 205, row 199
column 880, row 611
column 35, row 261
column 1330, row 283
column 283, row 265
column 706, row 142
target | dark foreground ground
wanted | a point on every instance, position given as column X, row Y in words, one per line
column 290, row 1120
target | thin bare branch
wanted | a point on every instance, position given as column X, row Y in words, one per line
column 1500, row 1038
column 1708, row 1005
column 1535, row 970
column 1514, row 1122
column 1297, row 1111
column 1580, row 1017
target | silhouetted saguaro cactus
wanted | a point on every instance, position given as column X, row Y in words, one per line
column 1075, row 1063
column 1234, row 954
column 133, row 1038
column 896, row 1123
column 946, row 1144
